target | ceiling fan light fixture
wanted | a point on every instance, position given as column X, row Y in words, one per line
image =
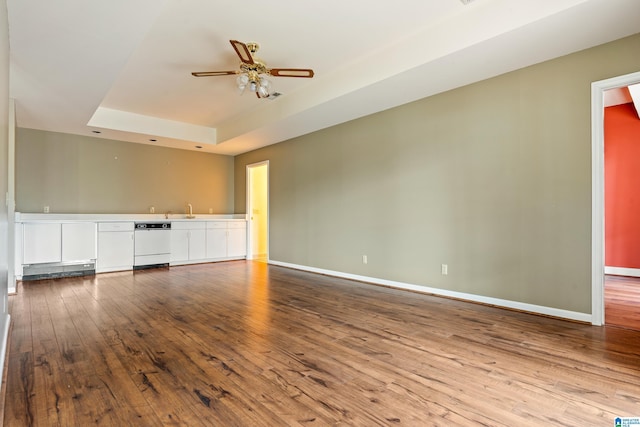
column 263, row 92
column 264, row 89
column 253, row 72
column 242, row 80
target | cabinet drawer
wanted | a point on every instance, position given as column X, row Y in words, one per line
column 78, row 241
column 187, row 225
column 237, row 224
column 216, row 224
column 115, row 226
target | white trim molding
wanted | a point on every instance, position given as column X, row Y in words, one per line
column 622, row 271
column 597, row 189
column 4, row 344
column 514, row 305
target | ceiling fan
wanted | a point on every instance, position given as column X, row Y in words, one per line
column 253, row 71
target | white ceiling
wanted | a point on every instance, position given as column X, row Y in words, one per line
column 123, row 67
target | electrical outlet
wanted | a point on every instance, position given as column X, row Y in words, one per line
column 444, row 269
column 364, row 259
column 152, row 209
column 46, row 209
column 210, row 210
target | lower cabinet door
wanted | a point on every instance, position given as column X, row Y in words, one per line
column 78, row 241
column 216, row 243
column 115, row 251
column 197, row 244
column 41, row 243
column 237, row 242
column 179, row 245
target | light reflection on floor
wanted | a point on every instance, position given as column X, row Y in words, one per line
column 258, row 304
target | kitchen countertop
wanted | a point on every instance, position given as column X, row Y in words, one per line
column 26, row 217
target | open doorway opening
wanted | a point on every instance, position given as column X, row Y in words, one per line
column 258, row 211
column 622, row 207
column 598, row 90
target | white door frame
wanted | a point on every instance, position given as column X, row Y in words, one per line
column 250, row 254
column 597, row 189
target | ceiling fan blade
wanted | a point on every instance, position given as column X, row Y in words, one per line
column 214, row 73
column 243, row 51
column 291, row 72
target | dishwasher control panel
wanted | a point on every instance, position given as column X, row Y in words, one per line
column 152, row 225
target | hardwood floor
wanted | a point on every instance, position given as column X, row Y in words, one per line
column 622, row 301
column 248, row 344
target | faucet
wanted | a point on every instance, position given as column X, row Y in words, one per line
column 190, row 214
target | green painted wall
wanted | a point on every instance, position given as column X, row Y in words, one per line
column 493, row 179
column 78, row 174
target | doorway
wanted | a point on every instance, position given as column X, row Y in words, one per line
column 258, row 211
column 597, row 190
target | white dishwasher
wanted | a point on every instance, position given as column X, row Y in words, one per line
column 152, row 245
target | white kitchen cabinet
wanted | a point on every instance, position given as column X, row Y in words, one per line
column 216, row 241
column 188, row 241
column 78, row 241
column 179, row 245
column 197, row 244
column 57, row 245
column 237, row 239
column 41, row 243
column 115, row 246
column 226, row 239
column 58, row 242
column 57, row 249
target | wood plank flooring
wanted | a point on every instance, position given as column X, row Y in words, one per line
column 247, row 344
column 622, row 301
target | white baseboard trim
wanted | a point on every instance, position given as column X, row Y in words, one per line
column 515, row 305
column 622, row 271
column 4, row 345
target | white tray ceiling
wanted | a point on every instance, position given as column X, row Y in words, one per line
column 122, row 67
